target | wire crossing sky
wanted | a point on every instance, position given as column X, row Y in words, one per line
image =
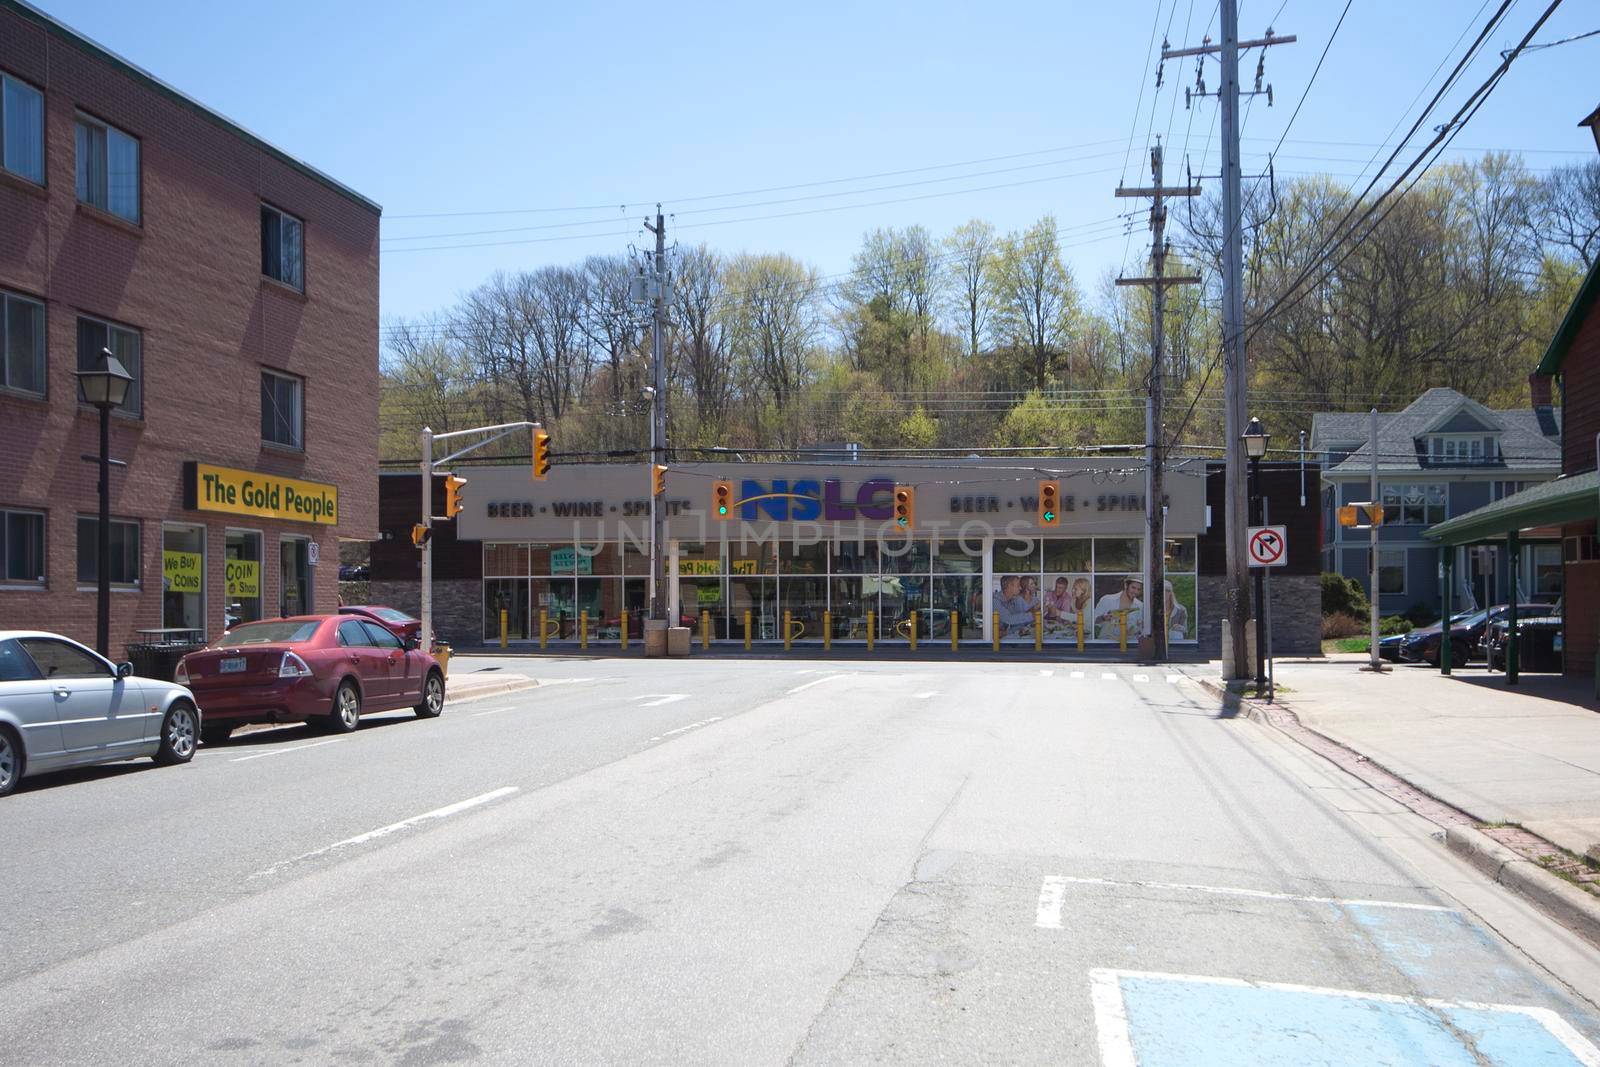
column 505, row 136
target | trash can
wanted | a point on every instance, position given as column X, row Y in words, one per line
column 159, row 660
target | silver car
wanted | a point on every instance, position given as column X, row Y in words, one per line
column 62, row 705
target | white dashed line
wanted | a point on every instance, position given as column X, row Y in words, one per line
column 1141, row 677
column 1044, row 673
column 1077, row 674
column 1174, row 679
column 815, row 681
column 281, row 751
column 1108, row 677
column 686, row 729
column 1051, row 895
column 926, row 696
column 661, row 698
column 1258, row 894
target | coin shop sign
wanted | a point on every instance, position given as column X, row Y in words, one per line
column 269, row 496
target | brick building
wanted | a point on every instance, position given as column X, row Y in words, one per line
column 238, row 285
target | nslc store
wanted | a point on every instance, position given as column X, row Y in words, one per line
column 818, row 542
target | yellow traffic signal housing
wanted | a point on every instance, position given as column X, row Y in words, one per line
column 1050, row 503
column 722, row 500
column 452, row 495
column 1348, row 515
column 658, row 479
column 541, row 455
column 905, row 506
column 420, row 534
column 1362, row 514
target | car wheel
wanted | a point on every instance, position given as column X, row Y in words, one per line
column 10, row 761
column 178, row 734
column 432, row 697
column 215, row 733
column 346, row 714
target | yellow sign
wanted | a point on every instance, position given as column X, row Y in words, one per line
column 244, row 578
column 268, row 496
column 742, row 566
column 181, row 571
column 701, row 568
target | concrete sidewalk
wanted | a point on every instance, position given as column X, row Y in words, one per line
column 1528, row 754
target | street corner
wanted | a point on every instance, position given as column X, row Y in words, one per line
column 1153, row 1019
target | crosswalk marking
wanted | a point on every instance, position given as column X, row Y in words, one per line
column 1108, row 677
column 1141, row 677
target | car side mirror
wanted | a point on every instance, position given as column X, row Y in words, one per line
column 414, row 642
column 124, row 670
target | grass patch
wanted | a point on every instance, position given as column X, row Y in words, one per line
column 1346, row 644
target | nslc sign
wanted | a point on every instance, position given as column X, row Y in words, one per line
column 807, row 500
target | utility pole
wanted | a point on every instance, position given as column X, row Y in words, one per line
column 1237, row 517
column 658, row 420
column 1153, row 627
column 1372, row 550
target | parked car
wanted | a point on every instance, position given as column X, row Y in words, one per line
column 403, row 626
column 1541, row 640
column 1466, row 631
column 63, row 705
column 1389, row 647
column 354, row 572
column 320, row 669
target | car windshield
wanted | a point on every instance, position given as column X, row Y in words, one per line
column 1468, row 618
column 391, row 615
column 277, row 631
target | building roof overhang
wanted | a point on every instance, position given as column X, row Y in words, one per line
column 1552, row 503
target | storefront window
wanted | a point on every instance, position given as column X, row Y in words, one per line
column 242, row 572
column 183, row 572
column 1547, row 570
column 758, row 596
column 855, row 557
column 294, row 568
column 951, row 557
column 961, row 597
column 508, row 595
column 502, row 560
column 805, row 599
column 905, row 557
column 1013, row 556
column 803, row 559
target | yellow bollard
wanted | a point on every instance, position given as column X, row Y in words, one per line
column 994, row 631
column 827, row 630
column 747, row 629
column 912, row 633
column 1038, row 632
column 622, row 630
column 1122, row 630
column 544, row 629
column 583, row 628
column 1080, row 631
column 955, row 631
column 705, row 629
column 786, row 627
column 872, row 630
column 502, row 627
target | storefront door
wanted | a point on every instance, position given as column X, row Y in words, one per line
column 294, row 566
column 242, row 572
column 183, row 570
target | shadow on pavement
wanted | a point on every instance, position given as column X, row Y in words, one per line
column 1563, row 688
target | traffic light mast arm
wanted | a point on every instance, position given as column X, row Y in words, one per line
column 499, row 431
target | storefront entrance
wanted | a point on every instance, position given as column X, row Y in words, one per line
column 294, row 562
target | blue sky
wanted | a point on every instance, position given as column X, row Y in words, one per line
column 577, row 109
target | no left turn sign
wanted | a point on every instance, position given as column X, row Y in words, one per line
column 1269, row 546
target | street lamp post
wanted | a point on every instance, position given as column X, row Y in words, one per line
column 1255, row 439
column 104, row 387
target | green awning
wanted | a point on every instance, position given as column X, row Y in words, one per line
column 1546, row 504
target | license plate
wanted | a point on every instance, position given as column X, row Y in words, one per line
column 231, row 665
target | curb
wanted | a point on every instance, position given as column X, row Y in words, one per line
column 1568, row 905
column 1572, row 907
column 478, row 692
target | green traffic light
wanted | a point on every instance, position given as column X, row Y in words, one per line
column 722, row 509
column 1049, row 516
column 901, row 520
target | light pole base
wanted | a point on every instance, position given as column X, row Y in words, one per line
column 1228, row 673
column 655, row 637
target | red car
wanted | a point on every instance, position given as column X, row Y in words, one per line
column 403, row 626
column 324, row 669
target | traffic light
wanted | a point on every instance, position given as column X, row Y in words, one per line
column 420, row 534
column 1049, row 503
column 905, row 506
column 722, row 500
column 658, row 479
column 452, row 495
column 1363, row 514
column 541, row 455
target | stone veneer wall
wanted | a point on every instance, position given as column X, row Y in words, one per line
column 457, row 607
column 1296, row 615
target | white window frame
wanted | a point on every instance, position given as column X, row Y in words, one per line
column 88, row 195
column 7, row 297
column 42, row 580
column 7, row 80
column 279, row 277
column 299, row 383
column 126, row 587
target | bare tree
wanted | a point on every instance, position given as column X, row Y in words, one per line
column 970, row 250
column 700, row 355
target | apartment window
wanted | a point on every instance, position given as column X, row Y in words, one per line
column 282, row 409
column 94, row 335
column 22, row 547
column 1391, row 570
column 283, row 254
column 21, row 129
column 108, row 168
column 124, row 551
column 1413, row 505
column 21, row 344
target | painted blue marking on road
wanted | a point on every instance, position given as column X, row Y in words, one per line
column 1174, row 1021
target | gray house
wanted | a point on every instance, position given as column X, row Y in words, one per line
column 1442, row 456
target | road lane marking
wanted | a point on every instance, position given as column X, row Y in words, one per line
column 1045, row 673
column 1051, row 895
column 661, row 698
column 926, row 696
column 686, row 729
column 1258, row 894
column 1108, row 677
column 281, row 751
column 1141, row 677
column 816, row 681
column 491, row 711
column 394, row 827
column 1077, row 674
column 1116, row 1044
column 1174, row 679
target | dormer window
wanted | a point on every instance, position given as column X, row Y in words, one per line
column 1462, row 449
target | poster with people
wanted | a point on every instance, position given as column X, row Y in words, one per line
column 1118, row 607
column 1068, row 600
column 1182, row 622
column 1016, row 598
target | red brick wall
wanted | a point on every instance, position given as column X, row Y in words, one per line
column 189, row 279
column 1580, row 397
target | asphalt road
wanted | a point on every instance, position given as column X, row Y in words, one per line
column 768, row 861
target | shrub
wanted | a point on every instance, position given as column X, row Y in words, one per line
column 1342, row 624
column 1343, row 596
column 1394, row 624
